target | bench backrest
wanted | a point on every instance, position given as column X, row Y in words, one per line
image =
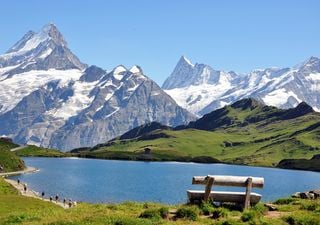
column 235, row 181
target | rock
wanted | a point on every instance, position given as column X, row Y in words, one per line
column 316, row 193
column 271, row 207
column 306, row 195
column 296, row 195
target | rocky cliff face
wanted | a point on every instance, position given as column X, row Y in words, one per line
column 49, row 98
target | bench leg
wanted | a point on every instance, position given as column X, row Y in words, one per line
column 208, row 188
column 248, row 192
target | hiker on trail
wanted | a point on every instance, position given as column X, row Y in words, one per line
column 70, row 203
column 51, row 198
column 18, row 181
column 42, row 194
column 25, row 188
column 57, row 197
column 64, row 201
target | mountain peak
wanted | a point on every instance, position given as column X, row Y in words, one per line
column 300, row 110
column 185, row 60
column 247, row 103
column 136, row 69
column 312, row 65
column 43, row 50
column 119, row 69
column 180, row 77
column 52, row 31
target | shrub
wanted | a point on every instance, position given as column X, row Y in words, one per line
column 284, row 201
column 129, row 221
column 164, row 212
column 188, row 212
column 260, row 209
column 206, row 208
column 219, row 213
column 290, row 220
column 310, row 206
column 151, row 214
column 248, row 216
column 302, row 220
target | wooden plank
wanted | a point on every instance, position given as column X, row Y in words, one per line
column 248, row 191
column 208, row 188
column 223, row 196
column 235, row 181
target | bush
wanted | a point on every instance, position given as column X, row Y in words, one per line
column 302, row 220
column 151, row 214
column 188, row 212
column 129, row 221
column 206, row 208
column 219, row 213
column 248, row 216
column 310, row 206
column 260, row 209
column 290, row 220
column 284, row 201
column 164, row 212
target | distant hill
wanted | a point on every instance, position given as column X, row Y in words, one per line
column 8, row 160
column 246, row 132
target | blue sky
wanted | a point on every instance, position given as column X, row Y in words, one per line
column 229, row 35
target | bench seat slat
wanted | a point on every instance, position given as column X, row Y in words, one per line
column 223, row 196
column 236, row 181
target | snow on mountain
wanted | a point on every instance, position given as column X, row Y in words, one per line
column 49, row 98
column 200, row 89
column 44, row 50
column 14, row 89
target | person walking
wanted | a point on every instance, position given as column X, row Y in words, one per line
column 51, row 198
column 64, row 201
column 57, row 198
column 42, row 194
column 18, row 181
column 25, row 188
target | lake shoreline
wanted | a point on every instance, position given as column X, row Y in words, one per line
column 173, row 161
column 20, row 186
column 28, row 169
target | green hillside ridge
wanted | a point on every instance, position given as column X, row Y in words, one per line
column 18, row 209
column 246, row 132
column 34, row 151
column 9, row 160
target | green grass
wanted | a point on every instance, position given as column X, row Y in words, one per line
column 17, row 209
column 259, row 144
column 8, row 160
column 31, row 151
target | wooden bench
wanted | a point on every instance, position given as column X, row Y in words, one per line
column 247, row 197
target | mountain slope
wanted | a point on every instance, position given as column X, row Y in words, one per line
column 246, row 132
column 9, row 162
column 201, row 89
column 49, row 98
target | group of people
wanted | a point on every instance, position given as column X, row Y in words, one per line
column 70, row 203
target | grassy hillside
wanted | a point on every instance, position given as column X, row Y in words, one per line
column 17, row 209
column 244, row 134
column 31, row 151
column 8, row 160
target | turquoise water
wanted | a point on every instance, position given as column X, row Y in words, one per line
column 93, row 180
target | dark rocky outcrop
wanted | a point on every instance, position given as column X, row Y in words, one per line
column 143, row 130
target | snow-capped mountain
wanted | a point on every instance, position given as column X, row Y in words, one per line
column 201, row 89
column 49, row 98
